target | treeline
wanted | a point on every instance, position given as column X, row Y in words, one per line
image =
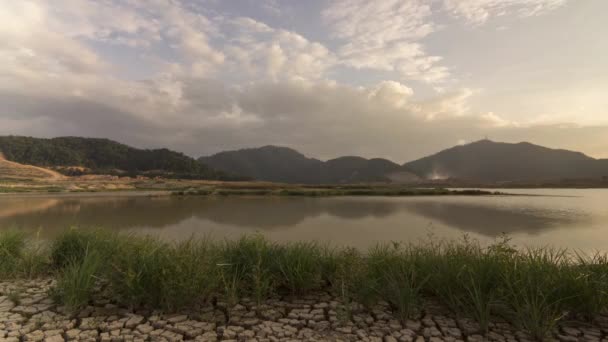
column 102, row 156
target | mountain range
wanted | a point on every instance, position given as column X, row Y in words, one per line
column 282, row 164
column 481, row 162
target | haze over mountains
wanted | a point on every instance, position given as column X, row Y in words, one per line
column 482, row 162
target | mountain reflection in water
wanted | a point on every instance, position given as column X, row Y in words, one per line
column 481, row 215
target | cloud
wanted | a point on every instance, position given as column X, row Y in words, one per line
column 270, row 6
column 388, row 35
column 322, row 118
column 29, row 48
column 260, row 51
column 391, row 93
column 384, row 35
column 58, row 37
column 223, row 82
column 477, row 12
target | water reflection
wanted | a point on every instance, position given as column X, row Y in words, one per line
column 482, row 216
column 160, row 212
column 493, row 221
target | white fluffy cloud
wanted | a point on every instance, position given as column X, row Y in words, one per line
column 260, row 51
column 385, row 35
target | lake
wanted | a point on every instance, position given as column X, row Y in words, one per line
column 564, row 218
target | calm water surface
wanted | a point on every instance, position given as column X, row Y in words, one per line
column 566, row 218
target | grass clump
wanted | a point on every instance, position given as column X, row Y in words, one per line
column 74, row 244
column 20, row 256
column 396, row 277
column 12, row 244
column 588, row 279
column 467, row 277
column 247, row 268
column 300, row 266
column 534, row 290
column 77, row 281
column 190, row 274
column 137, row 270
column 345, row 272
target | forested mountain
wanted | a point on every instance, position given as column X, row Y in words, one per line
column 491, row 162
column 357, row 169
column 101, row 156
column 282, row 164
column 268, row 163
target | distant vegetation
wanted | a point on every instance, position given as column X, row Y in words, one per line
column 282, row 164
column 75, row 156
column 325, row 191
column 535, row 289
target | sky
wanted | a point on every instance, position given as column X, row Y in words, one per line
column 397, row 79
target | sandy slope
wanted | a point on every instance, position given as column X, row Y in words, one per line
column 11, row 169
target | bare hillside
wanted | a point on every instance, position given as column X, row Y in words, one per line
column 9, row 169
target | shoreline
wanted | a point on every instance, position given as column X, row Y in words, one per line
column 276, row 191
column 125, row 186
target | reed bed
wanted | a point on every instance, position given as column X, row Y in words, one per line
column 533, row 288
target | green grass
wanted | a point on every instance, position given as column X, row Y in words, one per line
column 588, row 278
column 397, row 277
column 74, row 244
column 300, row 267
column 20, row 256
column 346, row 274
column 248, row 261
column 12, row 244
column 77, row 280
column 534, row 289
column 467, row 277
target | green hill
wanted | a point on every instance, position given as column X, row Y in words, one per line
column 268, row 163
column 75, row 155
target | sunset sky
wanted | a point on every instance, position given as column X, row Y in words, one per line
column 386, row 78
